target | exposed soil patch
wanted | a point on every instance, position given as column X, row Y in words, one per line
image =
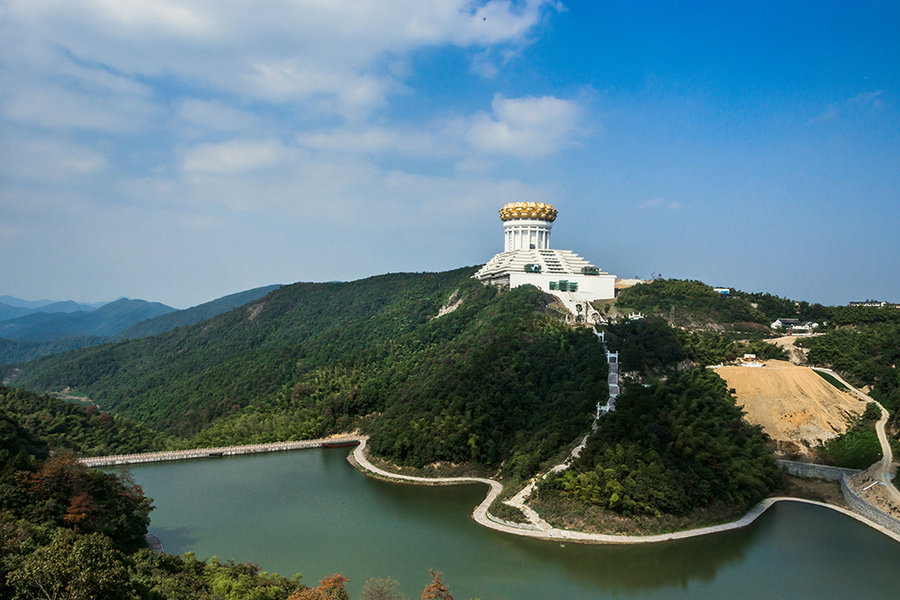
column 819, row 490
column 796, row 354
column 452, row 304
column 794, row 405
column 866, row 486
column 253, row 310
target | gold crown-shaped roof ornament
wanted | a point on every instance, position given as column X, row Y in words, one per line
column 528, row 210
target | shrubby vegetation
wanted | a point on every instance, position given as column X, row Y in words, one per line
column 515, row 386
column 651, row 346
column 670, row 449
column 695, row 304
column 858, row 447
column 646, row 345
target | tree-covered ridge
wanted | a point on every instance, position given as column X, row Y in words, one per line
column 195, row 314
column 650, row 346
column 498, row 381
column 184, row 379
column 85, row 430
column 105, row 321
column 670, row 449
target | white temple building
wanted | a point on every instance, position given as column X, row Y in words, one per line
column 528, row 259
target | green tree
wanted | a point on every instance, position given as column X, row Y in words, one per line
column 74, row 567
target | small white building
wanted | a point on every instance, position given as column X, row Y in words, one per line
column 528, row 259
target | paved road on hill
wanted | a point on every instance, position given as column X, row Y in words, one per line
column 884, row 471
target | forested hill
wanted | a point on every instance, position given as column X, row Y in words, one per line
column 495, row 380
column 195, row 314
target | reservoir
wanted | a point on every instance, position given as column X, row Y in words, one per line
column 310, row 512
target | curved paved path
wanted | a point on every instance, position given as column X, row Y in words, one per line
column 883, row 473
column 483, row 517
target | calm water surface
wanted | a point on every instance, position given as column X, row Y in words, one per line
column 310, row 512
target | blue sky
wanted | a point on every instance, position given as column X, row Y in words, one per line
column 180, row 150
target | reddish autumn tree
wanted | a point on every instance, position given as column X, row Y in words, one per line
column 330, row 588
column 436, row 590
column 81, row 509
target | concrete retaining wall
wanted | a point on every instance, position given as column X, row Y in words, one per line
column 867, row 510
column 814, row 471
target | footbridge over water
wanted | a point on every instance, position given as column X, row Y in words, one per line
column 149, row 457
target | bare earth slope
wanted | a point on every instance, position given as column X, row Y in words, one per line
column 794, row 405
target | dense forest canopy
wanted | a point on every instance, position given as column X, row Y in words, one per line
column 498, row 381
column 670, row 449
column 84, row 430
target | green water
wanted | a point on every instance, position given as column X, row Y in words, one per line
column 310, row 512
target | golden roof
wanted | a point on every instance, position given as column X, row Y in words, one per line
column 528, row 210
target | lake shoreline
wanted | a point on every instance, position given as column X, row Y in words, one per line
column 482, row 516
column 481, row 513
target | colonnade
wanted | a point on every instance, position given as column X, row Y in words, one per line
column 522, row 235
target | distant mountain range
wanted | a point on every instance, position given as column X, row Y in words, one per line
column 13, row 308
column 107, row 320
column 55, row 327
column 49, row 305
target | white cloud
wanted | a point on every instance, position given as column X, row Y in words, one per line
column 527, row 128
column 216, row 116
column 658, row 203
column 432, row 140
column 235, row 156
column 55, row 107
column 286, row 52
column 47, row 159
column 865, row 101
column 483, row 66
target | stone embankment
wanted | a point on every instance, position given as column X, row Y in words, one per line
column 148, row 457
column 814, row 471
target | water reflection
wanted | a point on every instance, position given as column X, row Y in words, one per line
column 309, row 511
column 646, row 566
